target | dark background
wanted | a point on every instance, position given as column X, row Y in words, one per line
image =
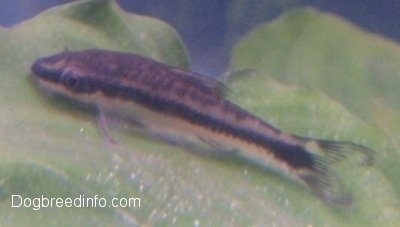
column 210, row 28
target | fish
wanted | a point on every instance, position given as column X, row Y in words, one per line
column 161, row 97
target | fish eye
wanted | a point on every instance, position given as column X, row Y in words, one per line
column 71, row 81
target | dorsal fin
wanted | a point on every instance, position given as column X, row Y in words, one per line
column 229, row 75
column 213, row 84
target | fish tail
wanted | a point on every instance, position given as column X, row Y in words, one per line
column 322, row 179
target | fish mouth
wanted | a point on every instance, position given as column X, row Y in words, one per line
column 41, row 69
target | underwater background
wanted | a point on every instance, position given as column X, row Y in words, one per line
column 322, row 69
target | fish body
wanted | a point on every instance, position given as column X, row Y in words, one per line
column 169, row 98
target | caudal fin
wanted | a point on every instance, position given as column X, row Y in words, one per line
column 322, row 178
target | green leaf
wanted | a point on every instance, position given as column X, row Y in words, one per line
column 51, row 146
